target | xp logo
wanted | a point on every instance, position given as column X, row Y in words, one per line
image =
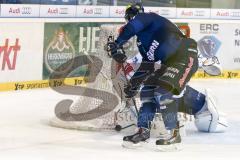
column 208, row 46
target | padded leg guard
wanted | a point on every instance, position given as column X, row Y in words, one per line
column 209, row 119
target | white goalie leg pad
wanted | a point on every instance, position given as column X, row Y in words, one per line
column 210, row 120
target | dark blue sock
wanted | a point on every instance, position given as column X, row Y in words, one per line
column 146, row 114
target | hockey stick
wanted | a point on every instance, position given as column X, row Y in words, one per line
column 111, row 39
column 128, row 83
column 119, row 127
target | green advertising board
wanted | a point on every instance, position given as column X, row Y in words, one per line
column 64, row 41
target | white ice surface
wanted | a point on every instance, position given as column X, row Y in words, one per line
column 26, row 135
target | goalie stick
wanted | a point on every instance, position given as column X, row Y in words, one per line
column 119, row 127
column 128, row 83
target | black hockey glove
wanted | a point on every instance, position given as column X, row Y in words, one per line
column 116, row 52
column 130, row 91
column 112, row 48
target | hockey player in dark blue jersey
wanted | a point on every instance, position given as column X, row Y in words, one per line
column 158, row 40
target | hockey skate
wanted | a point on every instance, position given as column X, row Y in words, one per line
column 136, row 140
column 171, row 142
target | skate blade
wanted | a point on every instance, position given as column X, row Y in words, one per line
column 131, row 145
column 169, row 148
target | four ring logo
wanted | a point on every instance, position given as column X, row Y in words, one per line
column 199, row 13
column 98, row 11
column 235, row 14
column 26, row 10
column 63, row 11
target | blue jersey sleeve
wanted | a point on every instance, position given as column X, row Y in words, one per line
column 142, row 73
column 134, row 26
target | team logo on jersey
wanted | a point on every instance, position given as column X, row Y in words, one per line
column 153, row 47
column 59, row 51
column 208, row 46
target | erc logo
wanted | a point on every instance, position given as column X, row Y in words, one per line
column 208, row 46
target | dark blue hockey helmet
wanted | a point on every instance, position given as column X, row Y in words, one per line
column 132, row 10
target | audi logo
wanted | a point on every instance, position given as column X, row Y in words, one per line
column 235, row 14
column 199, row 13
column 26, row 10
column 98, row 11
column 63, row 11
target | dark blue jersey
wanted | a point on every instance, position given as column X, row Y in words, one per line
column 156, row 36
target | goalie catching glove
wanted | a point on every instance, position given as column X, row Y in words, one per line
column 116, row 52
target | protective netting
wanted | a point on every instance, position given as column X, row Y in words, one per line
column 110, row 80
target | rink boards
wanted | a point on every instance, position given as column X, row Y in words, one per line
column 31, row 49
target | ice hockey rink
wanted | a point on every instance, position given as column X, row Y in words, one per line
column 25, row 133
